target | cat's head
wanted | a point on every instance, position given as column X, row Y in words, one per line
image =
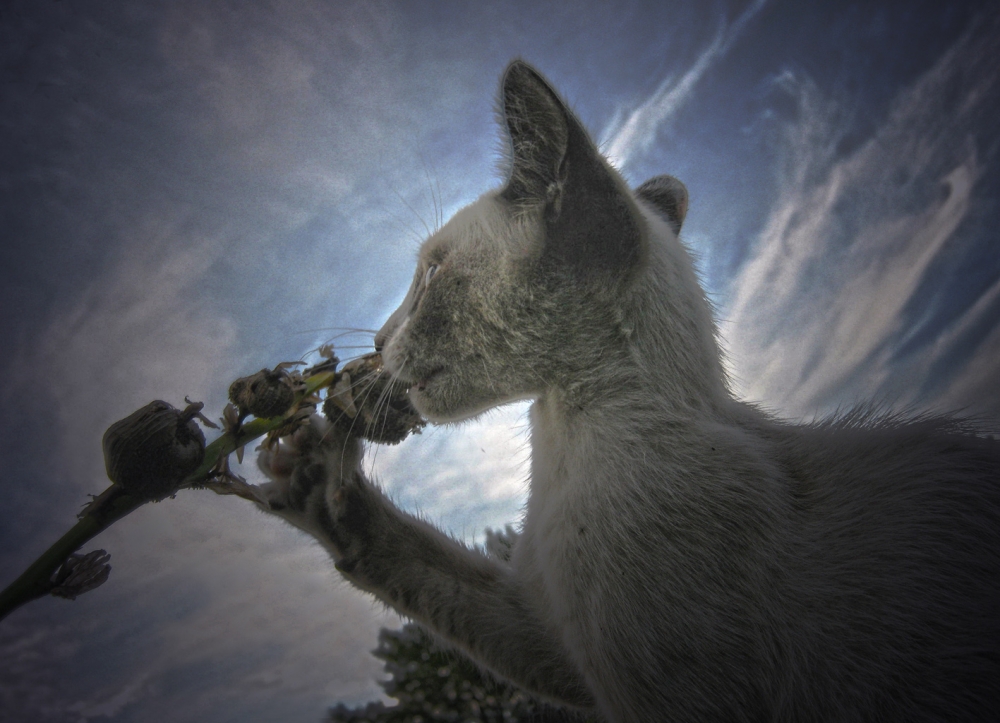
column 524, row 292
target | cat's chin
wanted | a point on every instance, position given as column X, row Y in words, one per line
column 430, row 403
column 423, row 398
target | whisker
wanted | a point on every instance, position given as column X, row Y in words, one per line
column 368, row 381
column 437, row 183
column 435, row 200
column 354, row 357
column 351, row 346
column 384, row 401
column 345, row 330
column 419, row 217
column 406, row 225
column 368, row 424
column 393, row 379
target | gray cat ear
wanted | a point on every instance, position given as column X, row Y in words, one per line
column 668, row 196
column 538, row 130
column 554, row 164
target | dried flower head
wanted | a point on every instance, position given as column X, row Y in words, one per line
column 369, row 404
column 151, row 451
column 268, row 393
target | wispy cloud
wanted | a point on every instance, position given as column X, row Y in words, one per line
column 139, row 332
column 817, row 316
column 318, row 107
column 638, row 130
column 975, row 390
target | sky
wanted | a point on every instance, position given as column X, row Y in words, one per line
column 191, row 191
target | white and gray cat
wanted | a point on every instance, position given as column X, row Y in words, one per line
column 683, row 556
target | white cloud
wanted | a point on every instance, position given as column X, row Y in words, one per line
column 974, row 390
column 815, row 315
column 318, row 100
column 634, row 132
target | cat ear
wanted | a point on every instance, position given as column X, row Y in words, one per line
column 589, row 216
column 537, row 127
column 668, row 196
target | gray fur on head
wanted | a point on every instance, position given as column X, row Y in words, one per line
column 683, row 556
column 556, row 169
column 539, row 286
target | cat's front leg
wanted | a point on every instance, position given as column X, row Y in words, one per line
column 473, row 601
column 317, row 485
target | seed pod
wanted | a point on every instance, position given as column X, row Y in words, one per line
column 370, row 404
column 268, row 393
column 151, row 451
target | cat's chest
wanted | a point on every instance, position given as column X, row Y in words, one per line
column 560, row 476
column 563, row 521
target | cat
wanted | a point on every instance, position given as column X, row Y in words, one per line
column 683, row 555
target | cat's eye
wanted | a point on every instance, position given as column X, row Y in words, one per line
column 431, row 270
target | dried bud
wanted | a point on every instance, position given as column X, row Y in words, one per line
column 151, row 451
column 369, row 404
column 268, row 393
column 80, row 574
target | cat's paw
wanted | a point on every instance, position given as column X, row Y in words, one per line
column 317, row 485
column 308, row 471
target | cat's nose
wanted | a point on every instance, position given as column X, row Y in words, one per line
column 383, row 335
column 382, row 338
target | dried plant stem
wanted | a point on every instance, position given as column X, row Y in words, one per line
column 115, row 502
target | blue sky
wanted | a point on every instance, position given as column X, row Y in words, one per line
column 194, row 190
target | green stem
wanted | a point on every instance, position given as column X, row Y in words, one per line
column 114, row 503
column 35, row 582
